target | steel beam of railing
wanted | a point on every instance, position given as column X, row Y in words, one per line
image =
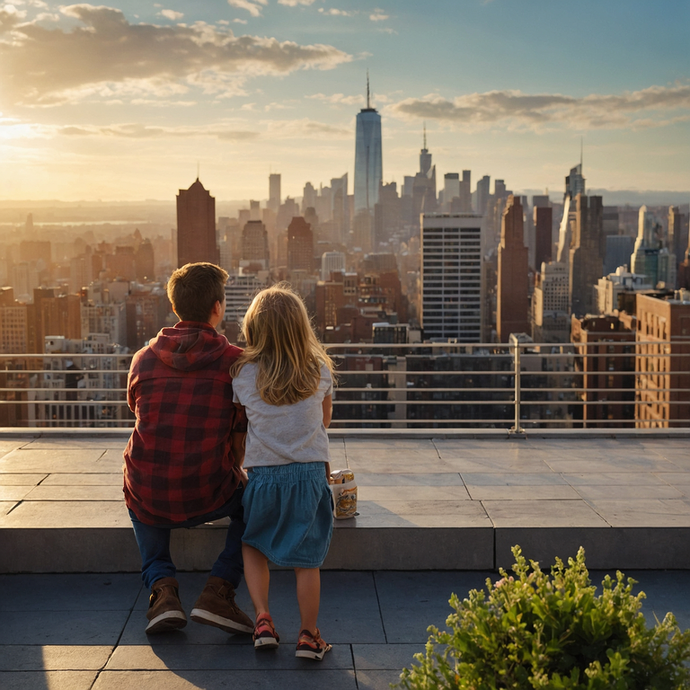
column 516, row 391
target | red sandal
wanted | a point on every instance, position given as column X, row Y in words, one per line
column 265, row 635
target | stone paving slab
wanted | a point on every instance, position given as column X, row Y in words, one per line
column 584, row 465
column 522, row 492
column 620, row 478
column 84, row 479
column 308, row 679
column 544, row 513
column 19, row 479
column 51, row 460
column 185, row 657
column 106, row 592
column 384, row 657
column 117, row 443
column 33, row 657
column 648, row 512
column 628, row 493
column 92, row 492
column 14, row 492
column 383, row 479
column 48, row 680
column 79, row 628
column 7, row 446
column 412, row 492
column 67, row 513
column 411, row 602
column 377, row 680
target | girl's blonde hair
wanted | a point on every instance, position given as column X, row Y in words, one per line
column 281, row 342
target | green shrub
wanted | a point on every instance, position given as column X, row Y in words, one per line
column 551, row 630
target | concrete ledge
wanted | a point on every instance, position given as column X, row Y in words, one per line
column 95, row 550
column 624, row 548
column 114, row 549
column 428, row 501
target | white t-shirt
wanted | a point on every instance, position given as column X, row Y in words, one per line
column 282, row 434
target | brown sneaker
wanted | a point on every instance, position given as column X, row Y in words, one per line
column 165, row 610
column 216, row 606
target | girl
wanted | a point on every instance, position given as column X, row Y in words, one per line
column 284, row 381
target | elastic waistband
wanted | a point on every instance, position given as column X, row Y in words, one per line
column 294, row 470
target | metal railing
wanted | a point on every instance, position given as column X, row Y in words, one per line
column 514, row 386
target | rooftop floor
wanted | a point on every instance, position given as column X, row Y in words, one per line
column 437, row 515
column 86, row 632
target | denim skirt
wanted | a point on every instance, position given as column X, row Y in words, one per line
column 288, row 512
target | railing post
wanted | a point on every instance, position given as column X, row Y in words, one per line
column 515, row 343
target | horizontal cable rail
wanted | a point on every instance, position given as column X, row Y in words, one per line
column 513, row 386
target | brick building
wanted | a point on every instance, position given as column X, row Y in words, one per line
column 663, row 360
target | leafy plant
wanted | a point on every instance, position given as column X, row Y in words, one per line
column 534, row 629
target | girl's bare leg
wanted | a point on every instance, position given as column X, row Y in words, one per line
column 257, row 577
column 308, row 596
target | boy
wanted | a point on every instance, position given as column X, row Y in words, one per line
column 183, row 462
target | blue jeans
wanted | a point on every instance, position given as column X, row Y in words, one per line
column 154, row 544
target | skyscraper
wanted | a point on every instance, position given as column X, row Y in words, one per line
column 677, row 233
column 196, row 226
column 368, row 166
column 452, row 276
column 512, row 303
column 550, row 314
column 254, row 246
column 424, row 185
column 451, row 189
column 300, row 245
column 482, row 193
column 574, row 185
column 543, row 216
column 274, row 192
column 649, row 257
column 586, row 262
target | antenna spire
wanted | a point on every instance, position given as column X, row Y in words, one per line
column 198, row 166
column 368, row 92
column 425, row 136
column 581, row 151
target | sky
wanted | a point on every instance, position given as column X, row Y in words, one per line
column 130, row 99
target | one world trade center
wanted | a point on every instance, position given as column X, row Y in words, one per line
column 368, row 172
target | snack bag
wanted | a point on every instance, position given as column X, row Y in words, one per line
column 344, row 488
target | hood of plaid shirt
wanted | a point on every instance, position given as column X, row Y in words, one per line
column 189, row 345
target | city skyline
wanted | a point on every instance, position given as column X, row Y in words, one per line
column 127, row 100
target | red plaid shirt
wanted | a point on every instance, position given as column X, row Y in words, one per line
column 178, row 462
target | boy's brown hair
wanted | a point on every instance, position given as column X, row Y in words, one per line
column 195, row 288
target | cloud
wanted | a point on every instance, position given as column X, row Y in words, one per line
column 139, row 131
column 338, row 99
column 295, row 3
column 171, row 14
column 378, row 15
column 334, row 12
column 254, row 7
column 10, row 16
column 30, row 3
column 516, row 110
column 105, row 56
column 224, row 131
column 240, row 21
column 305, row 128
